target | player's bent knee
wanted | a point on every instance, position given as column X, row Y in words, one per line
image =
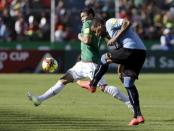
column 105, row 58
column 129, row 73
column 128, row 82
column 67, row 78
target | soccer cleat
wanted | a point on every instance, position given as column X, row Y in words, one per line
column 83, row 83
column 92, row 89
column 133, row 122
column 34, row 99
column 136, row 121
column 140, row 119
column 86, row 85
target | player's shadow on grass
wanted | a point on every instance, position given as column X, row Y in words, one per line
column 11, row 120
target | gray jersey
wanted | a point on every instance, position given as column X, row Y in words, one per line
column 129, row 39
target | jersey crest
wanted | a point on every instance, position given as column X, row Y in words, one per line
column 113, row 21
column 86, row 31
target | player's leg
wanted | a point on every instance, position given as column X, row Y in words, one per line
column 134, row 99
column 70, row 76
column 130, row 74
column 100, row 70
column 67, row 78
column 115, row 92
column 55, row 89
column 111, row 90
column 114, row 56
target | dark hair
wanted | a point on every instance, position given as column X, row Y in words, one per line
column 88, row 11
column 97, row 22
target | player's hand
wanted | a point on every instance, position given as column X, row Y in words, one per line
column 79, row 36
column 120, row 70
column 111, row 42
column 119, row 75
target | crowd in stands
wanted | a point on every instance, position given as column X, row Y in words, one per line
column 30, row 19
column 19, row 21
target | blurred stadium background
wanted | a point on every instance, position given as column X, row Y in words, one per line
column 30, row 28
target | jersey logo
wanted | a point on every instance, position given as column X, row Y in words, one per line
column 113, row 21
column 86, row 31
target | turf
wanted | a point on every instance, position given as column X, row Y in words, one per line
column 74, row 109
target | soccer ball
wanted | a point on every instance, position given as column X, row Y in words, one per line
column 49, row 64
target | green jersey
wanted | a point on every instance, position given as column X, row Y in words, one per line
column 89, row 51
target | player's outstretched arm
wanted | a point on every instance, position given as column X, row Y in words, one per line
column 125, row 25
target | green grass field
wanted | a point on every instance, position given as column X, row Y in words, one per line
column 74, row 109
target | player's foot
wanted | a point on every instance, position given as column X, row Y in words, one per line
column 136, row 121
column 34, row 99
column 86, row 85
column 133, row 122
column 83, row 83
column 92, row 89
column 140, row 119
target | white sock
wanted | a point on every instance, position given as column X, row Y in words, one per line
column 117, row 94
column 52, row 91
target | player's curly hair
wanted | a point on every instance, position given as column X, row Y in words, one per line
column 97, row 22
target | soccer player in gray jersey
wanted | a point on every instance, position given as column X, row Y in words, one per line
column 129, row 51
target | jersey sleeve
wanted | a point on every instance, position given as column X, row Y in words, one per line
column 86, row 29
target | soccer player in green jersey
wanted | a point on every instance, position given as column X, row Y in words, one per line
column 85, row 67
